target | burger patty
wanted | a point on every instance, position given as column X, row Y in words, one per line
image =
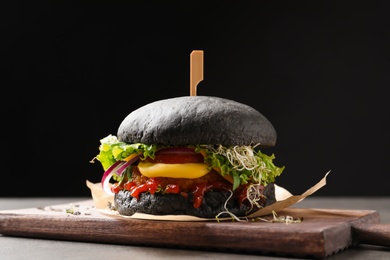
column 175, row 204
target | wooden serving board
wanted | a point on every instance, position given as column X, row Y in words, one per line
column 322, row 232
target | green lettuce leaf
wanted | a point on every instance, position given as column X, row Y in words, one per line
column 112, row 150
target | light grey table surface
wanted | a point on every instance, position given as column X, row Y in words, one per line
column 42, row 249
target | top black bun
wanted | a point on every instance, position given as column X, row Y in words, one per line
column 197, row 120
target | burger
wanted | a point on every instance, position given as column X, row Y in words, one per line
column 191, row 155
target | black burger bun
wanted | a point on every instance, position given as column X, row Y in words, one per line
column 197, row 120
column 174, row 204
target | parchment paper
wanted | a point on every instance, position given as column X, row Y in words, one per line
column 284, row 199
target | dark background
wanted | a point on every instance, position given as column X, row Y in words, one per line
column 318, row 70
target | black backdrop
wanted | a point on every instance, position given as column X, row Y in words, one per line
column 319, row 70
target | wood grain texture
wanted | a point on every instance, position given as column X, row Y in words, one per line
column 322, row 232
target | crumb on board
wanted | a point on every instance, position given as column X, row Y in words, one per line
column 72, row 209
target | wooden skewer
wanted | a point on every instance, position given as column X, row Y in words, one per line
column 196, row 70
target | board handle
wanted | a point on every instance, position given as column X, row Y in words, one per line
column 372, row 234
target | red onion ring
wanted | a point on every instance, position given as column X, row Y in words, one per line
column 117, row 168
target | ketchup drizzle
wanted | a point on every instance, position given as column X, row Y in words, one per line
column 152, row 185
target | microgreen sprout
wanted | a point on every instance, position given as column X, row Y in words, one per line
column 280, row 219
column 226, row 211
column 254, row 195
column 72, row 210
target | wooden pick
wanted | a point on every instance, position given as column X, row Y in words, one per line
column 196, row 70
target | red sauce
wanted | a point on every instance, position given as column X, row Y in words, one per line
column 200, row 189
column 241, row 193
column 212, row 181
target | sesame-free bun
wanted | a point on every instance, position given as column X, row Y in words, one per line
column 197, row 120
column 213, row 202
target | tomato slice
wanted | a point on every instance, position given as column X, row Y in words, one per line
column 176, row 155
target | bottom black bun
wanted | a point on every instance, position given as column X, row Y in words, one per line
column 175, row 204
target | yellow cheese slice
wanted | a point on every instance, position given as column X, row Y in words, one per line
column 179, row 170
